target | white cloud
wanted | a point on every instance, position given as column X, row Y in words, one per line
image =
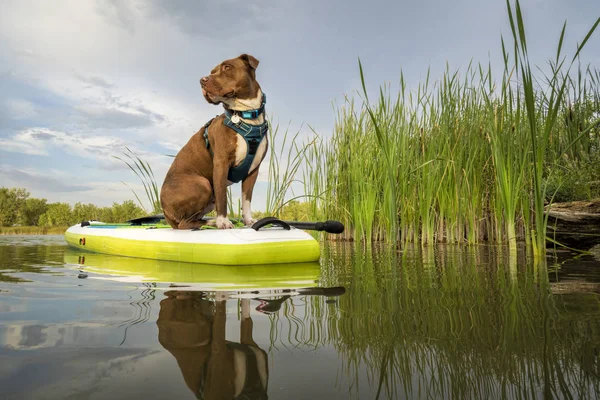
column 31, row 179
column 96, row 81
column 113, row 79
column 205, row 18
column 119, row 13
column 21, row 109
column 99, row 149
column 38, row 141
column 25, row 146
column 172, row 146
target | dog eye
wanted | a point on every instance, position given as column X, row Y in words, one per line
column 226, row 67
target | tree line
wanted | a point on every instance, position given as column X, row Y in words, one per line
column 18, row 208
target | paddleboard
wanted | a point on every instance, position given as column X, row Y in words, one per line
column 240, row 246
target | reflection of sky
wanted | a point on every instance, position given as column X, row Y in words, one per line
column 59, row 340
column 31, row 336
column 65, row 342
column 100, row 372
column 77, row 318
column 77, row 359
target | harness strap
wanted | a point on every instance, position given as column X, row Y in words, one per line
column 253, row 135
column 206, row 136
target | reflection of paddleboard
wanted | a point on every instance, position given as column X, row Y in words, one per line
column 243, row 246
column 200, row 277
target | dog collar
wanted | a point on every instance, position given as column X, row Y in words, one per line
column 249, row 114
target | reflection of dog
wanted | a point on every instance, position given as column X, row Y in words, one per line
column 192, row 329
column 228, row 149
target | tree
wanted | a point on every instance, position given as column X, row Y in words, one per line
column 125, row 211
column 106, row 214
column 31, row 211
column 15, row 206
column 11, row 201
column 58, row 214
column 86, row 212
column 295, row 211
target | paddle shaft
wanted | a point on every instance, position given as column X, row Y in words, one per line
column 327, row 226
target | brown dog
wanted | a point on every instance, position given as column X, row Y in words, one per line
column 221, row 152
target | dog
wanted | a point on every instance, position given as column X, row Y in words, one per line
column 229, row 148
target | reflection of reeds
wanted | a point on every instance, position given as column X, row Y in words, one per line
column 142, row 308
column 289, row 329
column 449, row 322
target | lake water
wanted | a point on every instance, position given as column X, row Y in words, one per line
column 444, row 322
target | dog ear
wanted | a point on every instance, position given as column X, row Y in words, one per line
column 250, row 60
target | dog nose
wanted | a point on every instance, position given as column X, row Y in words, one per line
column 204, row 79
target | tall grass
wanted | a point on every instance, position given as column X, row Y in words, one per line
column 286, row 157
column 465, row 158
column 542, row 111
column 143, row 171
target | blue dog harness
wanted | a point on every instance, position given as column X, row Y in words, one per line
column 252, row 134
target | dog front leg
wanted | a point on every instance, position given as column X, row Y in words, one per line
column 247, row 188
column 220, row 188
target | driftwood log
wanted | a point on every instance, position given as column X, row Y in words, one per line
column 575, row 224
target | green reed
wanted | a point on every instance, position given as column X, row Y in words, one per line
column 143, row 171
column 543, row 109
column 286, row 158
column 464, row 158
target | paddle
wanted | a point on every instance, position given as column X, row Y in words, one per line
column 150, row 219
column 327, row 226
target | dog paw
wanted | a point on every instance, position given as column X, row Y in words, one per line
column 224, row 223
column 249, row 221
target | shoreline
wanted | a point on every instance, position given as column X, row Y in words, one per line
column 32, row 230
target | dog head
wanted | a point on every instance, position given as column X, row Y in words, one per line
column 230, row 80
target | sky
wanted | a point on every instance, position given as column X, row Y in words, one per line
column 82, row 80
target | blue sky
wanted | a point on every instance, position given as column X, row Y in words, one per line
column 82, row 79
